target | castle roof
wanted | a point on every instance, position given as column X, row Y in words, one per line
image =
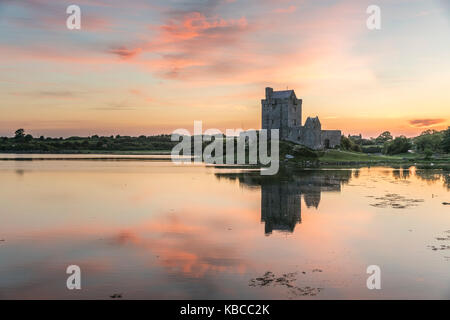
column 312, row 122
column 282, row 94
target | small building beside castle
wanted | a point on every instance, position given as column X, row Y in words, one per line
column 283, row 111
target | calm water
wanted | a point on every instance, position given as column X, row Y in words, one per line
column 150, row 229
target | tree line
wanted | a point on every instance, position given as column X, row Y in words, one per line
column 23, row 142
column 427, row 143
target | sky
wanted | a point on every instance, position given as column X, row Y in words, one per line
column 152, row 66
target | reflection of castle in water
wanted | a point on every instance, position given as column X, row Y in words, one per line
column 281, row 194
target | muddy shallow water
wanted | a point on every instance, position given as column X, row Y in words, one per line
column 152, row 229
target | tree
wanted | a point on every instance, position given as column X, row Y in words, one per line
column 348, row 144
column 19, row 134
column 356, row 138
column 384, row 137
column 28, row 138
column 398, row 145
column 429, row 139
column 445, row 144
column 345, row 143
column 428, row 153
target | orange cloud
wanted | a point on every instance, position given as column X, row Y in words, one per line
column 425, row 123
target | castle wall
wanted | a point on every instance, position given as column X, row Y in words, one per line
column 281, row 113
column 312, row 138
column 271, row 115
column 308, row 137
column 331, row 138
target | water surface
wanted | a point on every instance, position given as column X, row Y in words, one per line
column 152, row 229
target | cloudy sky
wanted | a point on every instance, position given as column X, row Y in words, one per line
column 151, row 66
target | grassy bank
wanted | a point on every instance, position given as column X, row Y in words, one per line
column 83, row 152
column 300, row 156
column 290, row 154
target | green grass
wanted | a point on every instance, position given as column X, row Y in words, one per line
column 117, row 152
column 123, row 152
column 340, row 156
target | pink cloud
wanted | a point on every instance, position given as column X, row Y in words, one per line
column 125, row 53
column 289, row 9
column 195, row 24
column 205, row 46
column 141, row 94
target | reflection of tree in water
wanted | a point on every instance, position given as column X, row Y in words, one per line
column 402, row 173
column 435, row 175
column 281, row 194
column 406, row 173
column 446, row 175
column 429, row 175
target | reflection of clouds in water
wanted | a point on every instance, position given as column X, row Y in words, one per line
column 187, row 255
column 181, row 248
column 40, row 275
column 193, row 253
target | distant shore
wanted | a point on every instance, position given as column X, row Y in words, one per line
column 430, row 149
column 84, row 152
column 325, row 159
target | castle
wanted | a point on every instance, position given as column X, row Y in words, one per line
column 282, row 110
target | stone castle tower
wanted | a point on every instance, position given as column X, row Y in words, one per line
column 282, row 110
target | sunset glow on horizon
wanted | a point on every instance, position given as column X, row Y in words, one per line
column 150, row 67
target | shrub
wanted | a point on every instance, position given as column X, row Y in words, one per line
column 429, row 139
column 348, row 144
column 428, row 153
column 445, row 144
column 398, row 145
